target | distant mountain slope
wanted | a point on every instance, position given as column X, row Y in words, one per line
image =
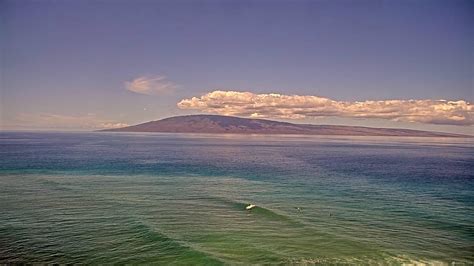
column 237, row 125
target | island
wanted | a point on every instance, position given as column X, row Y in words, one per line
column 218, row 124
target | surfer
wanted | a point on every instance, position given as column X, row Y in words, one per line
column 250, row 206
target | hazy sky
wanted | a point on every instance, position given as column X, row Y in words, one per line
column 91, row 64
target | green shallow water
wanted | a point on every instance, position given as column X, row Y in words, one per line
column 165, row 199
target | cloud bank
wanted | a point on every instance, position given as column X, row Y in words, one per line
column 48, row 120
column 274, row 105
column 150, row 85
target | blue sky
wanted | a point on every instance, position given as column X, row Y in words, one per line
column 73, row 61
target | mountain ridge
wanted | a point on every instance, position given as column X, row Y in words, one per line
column 219, row 124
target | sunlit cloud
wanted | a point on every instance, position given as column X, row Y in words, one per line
column 59, row 121
column 273, row 105
column 151, row 85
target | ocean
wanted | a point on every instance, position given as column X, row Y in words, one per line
column 98, row 198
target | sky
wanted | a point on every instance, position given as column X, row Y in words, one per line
column 85, row 65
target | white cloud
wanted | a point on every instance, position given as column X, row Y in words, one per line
column 151, row 85
column 58, row 121
column 298, row 107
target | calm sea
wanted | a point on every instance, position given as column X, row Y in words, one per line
column 168, row 198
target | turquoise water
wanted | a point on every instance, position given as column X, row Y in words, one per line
column 180, row 199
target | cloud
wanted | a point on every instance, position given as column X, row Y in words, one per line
column 274, row 105
column 151, row 85
column 48, row 120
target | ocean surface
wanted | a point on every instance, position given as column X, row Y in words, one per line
column 180, row 199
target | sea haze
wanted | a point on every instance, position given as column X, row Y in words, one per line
column 109, row 197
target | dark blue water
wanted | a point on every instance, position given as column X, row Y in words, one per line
column 164, row 198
